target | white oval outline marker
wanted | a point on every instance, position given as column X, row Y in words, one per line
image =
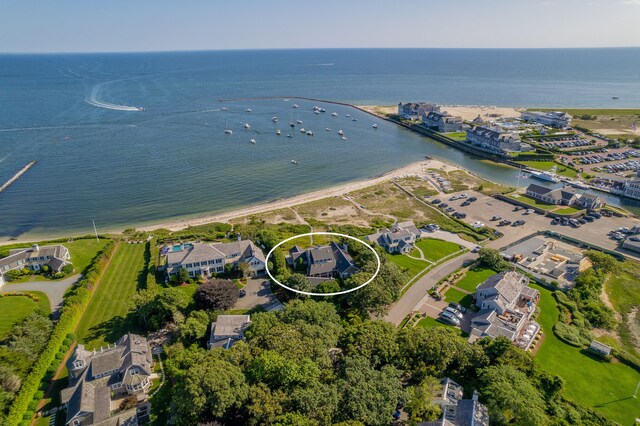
column 322, row 294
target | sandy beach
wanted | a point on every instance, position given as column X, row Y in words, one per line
column 176, row 225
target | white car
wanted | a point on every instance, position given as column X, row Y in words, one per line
column 477, row 224
column 452, row 311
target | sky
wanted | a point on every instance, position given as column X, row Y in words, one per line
column 28, row 26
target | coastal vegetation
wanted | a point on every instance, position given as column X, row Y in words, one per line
column 14, row 307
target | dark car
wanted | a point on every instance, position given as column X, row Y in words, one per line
column 589, row 218
column 443, row 205
column 242, row 293
column 565, row 221
column 459, row 215
column 466, row 203
column 450, row 209
column 556, row 220
column 436, row 201
column 518, row 223
column 472, row 199
column 517, row 208
column 582, row 221
column 596, row 215
column 458, row 306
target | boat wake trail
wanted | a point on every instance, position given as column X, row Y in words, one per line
column 92, row 99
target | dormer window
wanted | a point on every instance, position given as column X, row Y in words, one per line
column 78, row 364
column 134, row 371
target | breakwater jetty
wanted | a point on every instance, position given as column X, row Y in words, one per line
column 17, row 175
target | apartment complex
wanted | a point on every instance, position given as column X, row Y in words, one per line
column 558, row 119
column 496, row 141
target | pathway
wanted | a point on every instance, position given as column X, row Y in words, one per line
column 53, row 289
column 416, row 296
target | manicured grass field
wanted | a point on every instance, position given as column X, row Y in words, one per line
column 455, row 295
column 548, row 165
column 429, row 322
column 412, row 266
column 17, row 308
column 83, row 251
column 435, row 249
column 566, row 210
column 456, row 136
column 104, row 320
column 606, row 386
column 533, row 202
column 474, row 277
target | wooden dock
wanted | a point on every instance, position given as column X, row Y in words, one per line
column 17, row 175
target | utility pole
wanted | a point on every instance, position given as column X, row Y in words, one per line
column 95, row 230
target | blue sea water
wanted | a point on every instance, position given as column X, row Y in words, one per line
column 99, row 158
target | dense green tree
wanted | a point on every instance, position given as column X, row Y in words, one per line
column 279, row 372
column 602, row 261
column 245, row 269
column 194, row 327
column 294, row 419
column 330, row 286
column 216, row 294
column 511, row 397
column 375, row 340
column 183, row 275
column 316, row 400
column 30, row 336
column 491, row 258
column 420, row 400
column 152, row 309
column 211, row 387
column 299, row 282
column 369, row 395
column 264, row 404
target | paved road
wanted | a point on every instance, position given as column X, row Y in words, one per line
column 53, row 289
column 258, row 294
column 417, row 295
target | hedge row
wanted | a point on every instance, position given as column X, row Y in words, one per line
column 75, row 302
column 571, row 335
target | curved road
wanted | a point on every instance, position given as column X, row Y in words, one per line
column 53, row 289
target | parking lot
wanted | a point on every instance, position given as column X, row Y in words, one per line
column 485, row 208
column 609, row 161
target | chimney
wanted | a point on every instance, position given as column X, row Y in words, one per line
column 35, row 248
column 475, row 395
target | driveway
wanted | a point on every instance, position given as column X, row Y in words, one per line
column 416, row 297
column 53, row 289
column 258, row 293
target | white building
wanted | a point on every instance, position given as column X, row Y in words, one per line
column 34, row 258
column 558, row 119
column 400, row 239
column 496, row 140
column 442, row 121
column 206, row 259
column 414, row 110
column 632, row 189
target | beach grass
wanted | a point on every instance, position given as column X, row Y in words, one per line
column 606, row 386
column 105, row 319
column 623, row 290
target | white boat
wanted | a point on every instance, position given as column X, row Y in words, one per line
column 299, row 121
column 274, row 119
column 328, row 129
column 224, row 109
column 248, row 110
column 354, row 119
column 294, row 162
column 228, row 131
column 340, row 132
column 289, row 136
column 309, row 133
column 578, row 184
column 334, row 114
column 322, row 110
column 253, row 141
column 302, row 130
column 295, row 106
column 344, row 138
column 292, row 124
column 316, row 111
column 247, row 126
column 375, row 126
column 278, row 132
column 546, row 176
column 348, row 115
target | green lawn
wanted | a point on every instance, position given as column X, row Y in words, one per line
column 474, row 277
column 533, row 202
column 16, row 308
column 188, row 289
column 608, row 387
column 567, row 210
column 429, row 322
column 412, row 266
column 435, row 249
column 455, row 295
column 104, row 320
column 83, row 251
column 548, row 165
column 456, row 136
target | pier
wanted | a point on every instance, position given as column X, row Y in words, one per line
column 17, row 175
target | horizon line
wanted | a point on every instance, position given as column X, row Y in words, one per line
column 266, row 49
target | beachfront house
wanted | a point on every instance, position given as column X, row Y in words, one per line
column 100, row 380
column 442, row 121
column 559, row 119
column 322, row 263
column 206, row 259
column 457, row 411
column 400, row 239
column 414, row 110
column 632, row 188
column 227, row 330
column 496, row 141
column 34, row 258
column 506, row 305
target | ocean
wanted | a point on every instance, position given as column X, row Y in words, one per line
column 132, row 139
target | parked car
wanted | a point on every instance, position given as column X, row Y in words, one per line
column 582, row 221
column 466, row 203
column 517, row 208
column 459, row 215
column 589, row 218
column 447, row 314
column 450, row 209
column 476, row 249
column 565, row 221
column 449, row 321
column 518, row 223
column 477, row 224
column 504, row 222
column 556, row 220
column 471, row 199
column 443, row 205
column 432, row 227
column 436, row 201
column 458, row 307
column 496, row 218
column 242, row 293
column 453, row 311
